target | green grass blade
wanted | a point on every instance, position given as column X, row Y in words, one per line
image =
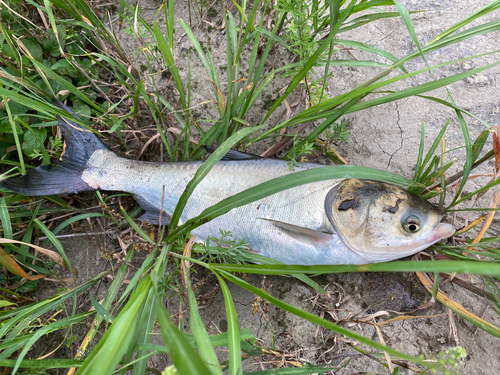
column 477, row 321
column 272, row 36
column 468, row 196
column 146, row 264
column 14, row 130
column 336, row 114
column 166, row 51
column 5, row 220
column 456, row 108
column 67, row 85
column 449, row 266
column 363, row 20
column 135, row 108
column 432, row 149
column 367, row 48
column 144, row 334
column 354, row 63
column 205, row 348
column 52, row 238
column 420, row 152
column 42, row 364
column 44, row 330
column 40, row 106
column 14, row 52
column 103, row 313
column 418, row 89
column 203, row 171
column 232, row 330
column 485, row 28
column 183, row 356
column 72, row 220
column 478, row 145
column 20, row 317
column 108, row 352
column 209, row 69
column 494, row 5
column 256, row 258
column 315, row 112
column 169, row 18
column 134, row 225
column 107, row 302
column 222, row 339
column 405, row 16
column 468, row 156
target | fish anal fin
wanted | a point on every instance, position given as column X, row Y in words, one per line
column 152, row 214
column 306, row 235
column 154, row 218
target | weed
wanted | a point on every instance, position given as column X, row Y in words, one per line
column 299, row 35
column 128, row 16
column 305, row 148
column 450, row 361
column 54, row 149
column 227, row 249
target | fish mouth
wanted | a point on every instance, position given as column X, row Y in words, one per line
column 442, row 231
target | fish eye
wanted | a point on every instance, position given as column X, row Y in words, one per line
column 411, row 224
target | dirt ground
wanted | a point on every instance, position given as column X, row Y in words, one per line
column 385, row 137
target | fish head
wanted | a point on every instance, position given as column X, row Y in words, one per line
column 381, row 222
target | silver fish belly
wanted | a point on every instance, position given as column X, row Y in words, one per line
column 302, row 206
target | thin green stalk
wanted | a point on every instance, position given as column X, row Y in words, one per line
column 16, row 136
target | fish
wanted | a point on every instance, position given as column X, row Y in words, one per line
column 341, row 221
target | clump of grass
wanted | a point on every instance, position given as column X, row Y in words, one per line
column 79, row 50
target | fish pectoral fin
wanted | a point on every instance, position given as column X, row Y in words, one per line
column 306, row 235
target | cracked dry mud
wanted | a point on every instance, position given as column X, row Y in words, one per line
column 385, row 137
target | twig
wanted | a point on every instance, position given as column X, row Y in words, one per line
column 469, row 287
column 76, row 235
column 369, row 355
column 455, row 177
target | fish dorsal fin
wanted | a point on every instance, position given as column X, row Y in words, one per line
column 233, row 155
column 302, row 234
column 238, row 156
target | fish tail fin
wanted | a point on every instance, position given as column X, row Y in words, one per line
column 65, row 177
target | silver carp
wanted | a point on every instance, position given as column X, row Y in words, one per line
column 347, row 221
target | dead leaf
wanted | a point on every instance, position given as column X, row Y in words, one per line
column 185, row 264
column 56, row 257
column 10, row 263
column 496, row 146
column 406, row 317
